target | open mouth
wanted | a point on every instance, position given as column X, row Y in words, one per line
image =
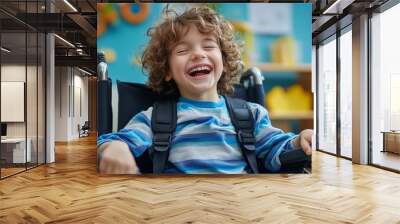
column 199, row 71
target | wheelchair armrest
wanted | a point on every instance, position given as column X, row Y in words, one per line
column 294, row 161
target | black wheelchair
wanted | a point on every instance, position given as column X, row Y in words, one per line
column 84, row 129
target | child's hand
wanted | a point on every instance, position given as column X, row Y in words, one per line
column 304, row 141
column 117, row 159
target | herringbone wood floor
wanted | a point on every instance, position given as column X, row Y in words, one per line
column 70, row 191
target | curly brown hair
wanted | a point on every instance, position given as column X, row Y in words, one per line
column 165, row 35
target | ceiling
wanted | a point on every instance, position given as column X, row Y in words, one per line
column 77, row 26
column 330, row 15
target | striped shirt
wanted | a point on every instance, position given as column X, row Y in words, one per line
column 205, row 139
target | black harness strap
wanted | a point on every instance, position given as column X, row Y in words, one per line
column 163, row 123
column 243, row 121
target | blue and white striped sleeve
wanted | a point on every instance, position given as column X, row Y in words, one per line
column 270, row 141
column 136, row 134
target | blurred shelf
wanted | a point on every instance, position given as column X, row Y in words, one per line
column 292, row 115
column 274, row 67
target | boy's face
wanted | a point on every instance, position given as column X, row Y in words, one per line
column 196, row 65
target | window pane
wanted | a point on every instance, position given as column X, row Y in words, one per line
column 386, row 89
column 346, row 94
column 327, row 97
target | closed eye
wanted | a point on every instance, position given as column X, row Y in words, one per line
column 181, row 51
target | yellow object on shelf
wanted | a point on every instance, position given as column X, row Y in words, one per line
column 295, row 99
column 283, row 51
column 276, row 100
column 299, row 99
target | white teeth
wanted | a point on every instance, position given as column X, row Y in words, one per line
column 199, row 69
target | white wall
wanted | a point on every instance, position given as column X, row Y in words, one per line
column 61, row 103
column 17, row 73
column 70, row 83
column 79, row 117
column 14, row 73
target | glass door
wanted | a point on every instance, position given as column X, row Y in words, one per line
column 14, row 144
column 22, row 76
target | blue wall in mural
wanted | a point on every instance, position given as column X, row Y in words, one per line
column 128, row 40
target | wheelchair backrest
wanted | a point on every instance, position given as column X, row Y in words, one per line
column 134, row 98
